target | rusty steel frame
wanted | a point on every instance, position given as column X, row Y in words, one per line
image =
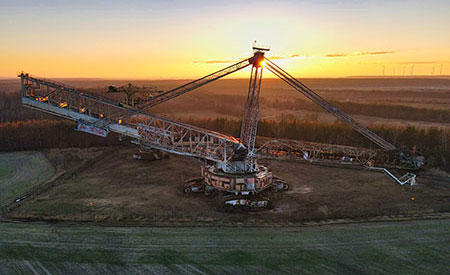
column 250, row 117
column 168, row 95
column 149, row 130
column 314, row 152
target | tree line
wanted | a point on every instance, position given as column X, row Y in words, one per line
column 25, row 129
column 38, row 134
column 434, row 143
column 375, row 110
column 11, row 108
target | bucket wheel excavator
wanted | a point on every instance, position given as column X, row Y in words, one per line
column 233, row 169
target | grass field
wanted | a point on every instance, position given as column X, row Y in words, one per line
column 20, row 171
column 418, row 247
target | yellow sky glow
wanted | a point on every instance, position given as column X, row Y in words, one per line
column 313, row 41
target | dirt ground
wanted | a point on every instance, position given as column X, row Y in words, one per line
column 113, row 187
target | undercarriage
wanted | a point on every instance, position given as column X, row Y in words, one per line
column 238, row 190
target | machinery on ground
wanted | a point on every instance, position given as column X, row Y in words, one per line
column 134, row 95
column 233, row 168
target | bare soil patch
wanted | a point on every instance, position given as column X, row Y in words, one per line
column 117, row 188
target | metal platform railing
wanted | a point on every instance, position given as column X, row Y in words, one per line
column 99, row 116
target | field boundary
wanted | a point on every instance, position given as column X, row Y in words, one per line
column 53, row 181
column 374, row 219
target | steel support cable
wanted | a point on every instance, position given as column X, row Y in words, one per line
column 163, row 97
column 328, row 107
column 335, row 111
column 363, row 131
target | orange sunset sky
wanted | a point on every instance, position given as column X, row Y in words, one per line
column 188, row 39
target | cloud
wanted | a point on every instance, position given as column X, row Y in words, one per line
column 358, row 53
column 296, row 55
column 284, row 57
column 375, row 53
column 240, row 59
column 220, row 61
column 276, row 57
column 336, row 55
column 217, row 61
column 406, row 62
column 421, row 62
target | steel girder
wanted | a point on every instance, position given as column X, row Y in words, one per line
column 150, row 130
column 165, row 96
column 314, row 152
column 250, row 117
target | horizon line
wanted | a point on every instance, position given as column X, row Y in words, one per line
column 237, row 78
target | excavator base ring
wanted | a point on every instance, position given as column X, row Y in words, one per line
column 239, row 191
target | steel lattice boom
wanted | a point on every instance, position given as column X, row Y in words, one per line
column 99, row 116
column 314, row 152
column 165, row 96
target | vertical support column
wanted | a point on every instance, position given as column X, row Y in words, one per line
column 22, row 83
column 251, row 110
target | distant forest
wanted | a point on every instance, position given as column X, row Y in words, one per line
column 38, row 134
column 434, row 143
column 232, row 105
column 25, row 129
column 12, row 110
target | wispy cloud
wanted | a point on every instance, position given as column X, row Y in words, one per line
column 224, row 61
column 421, row 62
column 375, row 53
column 418, row 62
column 293, row 56
column 358, row 53
column 284, row 57
column 336, row 55
column 217, row 61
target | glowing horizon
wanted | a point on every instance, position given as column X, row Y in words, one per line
column 186, row 40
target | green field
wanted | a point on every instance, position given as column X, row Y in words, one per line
column 418, row 247
column 20, row 171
